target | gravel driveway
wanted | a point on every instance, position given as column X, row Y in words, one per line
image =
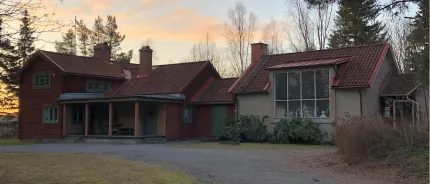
column 210, row 165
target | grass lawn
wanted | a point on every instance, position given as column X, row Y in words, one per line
column 20, row 168
column 216, row 145
column 11, row 142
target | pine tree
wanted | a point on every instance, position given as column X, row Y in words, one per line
column 83, row 38
column 356, row 24
column 25, row 44
column 9, row 63
column 68, row 45
column 418, row 48
column 124, row 57
column 113, row 37
column 97, row 33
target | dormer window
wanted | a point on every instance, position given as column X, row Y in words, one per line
column 98, row 86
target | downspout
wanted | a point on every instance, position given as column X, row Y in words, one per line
column 237, row 108
column 418, row 110
column 361, row 102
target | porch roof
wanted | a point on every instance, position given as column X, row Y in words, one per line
column 100, row 97
column 400, row 85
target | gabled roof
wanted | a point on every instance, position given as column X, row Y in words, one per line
column 360, row 69
column 81, row 65
column 316, row 62
column 164, row 79
column 215, row 91
column 400, row 85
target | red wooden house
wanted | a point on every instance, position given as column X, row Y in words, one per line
column 64, row 95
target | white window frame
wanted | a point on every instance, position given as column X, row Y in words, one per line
column 301, row 99
column 46, row 112
column 190, row 114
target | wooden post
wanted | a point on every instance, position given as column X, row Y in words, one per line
column 136, row 119
column 64, row 120
column 110, row 118
column 87, row 118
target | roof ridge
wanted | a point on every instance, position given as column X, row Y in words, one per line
column 330, row 49
column 70, row 54
column 183, row 63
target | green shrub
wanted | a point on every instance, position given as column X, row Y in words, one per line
column 296, row 131
column 231, row 130
column 254, row 128
column 247, row 128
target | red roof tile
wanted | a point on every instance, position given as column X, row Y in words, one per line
column 215, row 91
column 81, row 65
column 164, row 79
column 360, row 71
column 317, row 62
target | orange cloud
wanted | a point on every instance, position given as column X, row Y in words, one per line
column 179, row 25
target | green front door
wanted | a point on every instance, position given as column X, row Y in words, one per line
column 150, row 120
column 219, row 113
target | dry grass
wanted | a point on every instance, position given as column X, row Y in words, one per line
column 370, row 139
column 13, row 142
column 20, row 168
column 249, row 146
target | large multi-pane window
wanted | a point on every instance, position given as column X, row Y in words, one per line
column 303, row 94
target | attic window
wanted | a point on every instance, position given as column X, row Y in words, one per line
column 41, row 80
column 98, row 86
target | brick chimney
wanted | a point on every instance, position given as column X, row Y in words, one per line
column 102, row 51
column 145, row 61
column 257, row 51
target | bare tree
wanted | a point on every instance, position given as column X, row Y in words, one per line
column 239, row 32
column 399, row 31
column 272, row 35
column 311, row 25
column 150, row 42
column 324, row 19
column 304, row 39
column 11, row 12
column 207, row 50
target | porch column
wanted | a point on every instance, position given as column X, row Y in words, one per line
column 110, row 118
column 136, row 118
column 64, row 119
column 87, row 118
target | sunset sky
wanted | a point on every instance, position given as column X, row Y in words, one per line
column 173, row 25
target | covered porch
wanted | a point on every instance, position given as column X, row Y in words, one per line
column 90, row 115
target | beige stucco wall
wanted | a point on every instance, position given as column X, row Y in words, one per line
column 347, row 102
column 371, row 96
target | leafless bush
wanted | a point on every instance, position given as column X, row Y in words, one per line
column 9, row 130
column 372, row 138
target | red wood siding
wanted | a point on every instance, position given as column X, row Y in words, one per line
column 78, row 84
column 203, row 121
column 31, row 102
column 173, row 120
column 231, row 110
column 199, row 81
